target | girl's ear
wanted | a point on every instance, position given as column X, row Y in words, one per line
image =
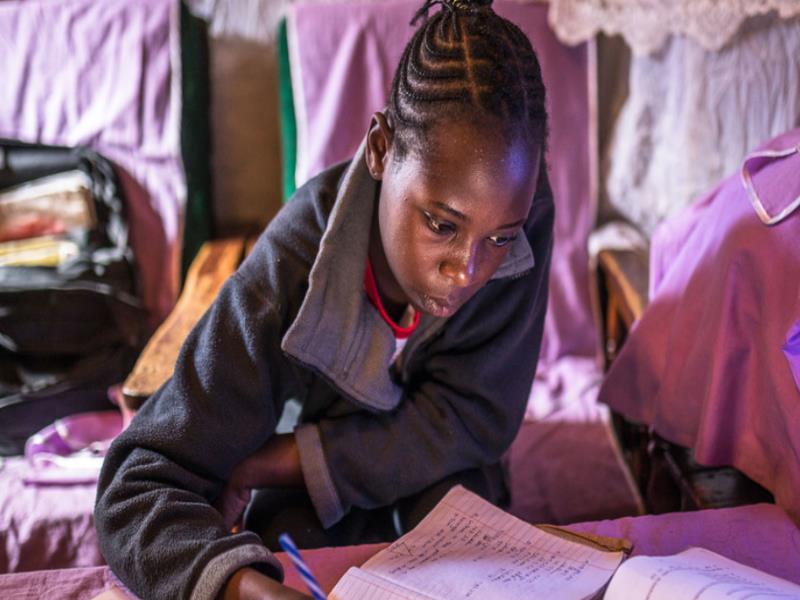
column 379, row 142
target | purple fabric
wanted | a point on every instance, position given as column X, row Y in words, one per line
column 44, row 527
column 343, row 59
column 74, row 433
column 562, row 472
column 792, row 351
column 105, row 74
column 71, row 450
column 75, row 584
column 775, row 182
column 759, row 535
column 704, row 365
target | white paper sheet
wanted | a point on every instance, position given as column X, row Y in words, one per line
column 695, row 574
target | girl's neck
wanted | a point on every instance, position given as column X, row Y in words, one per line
column 394, row 300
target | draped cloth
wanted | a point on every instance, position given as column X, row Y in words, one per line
column 711, row 365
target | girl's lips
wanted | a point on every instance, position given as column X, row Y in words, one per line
column 438, row 307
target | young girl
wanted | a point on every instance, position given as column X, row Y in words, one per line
column 397, row 300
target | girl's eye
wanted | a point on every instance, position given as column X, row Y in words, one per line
column 437, row 226
column 502, row 240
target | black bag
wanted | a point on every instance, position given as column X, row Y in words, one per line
column 66, row 332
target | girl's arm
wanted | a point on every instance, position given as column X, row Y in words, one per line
column 155, row 519
column 154, row 516
column 275, row 464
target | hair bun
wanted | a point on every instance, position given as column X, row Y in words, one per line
column 467, row 4
column 454, row 6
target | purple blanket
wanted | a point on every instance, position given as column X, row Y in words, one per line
column 343, row 56
column 45, row 526
column 714, row 362
column 106, row 74
column 759, row 535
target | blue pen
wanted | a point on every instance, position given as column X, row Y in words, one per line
column 288, row 545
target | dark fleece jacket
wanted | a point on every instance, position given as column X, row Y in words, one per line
column 294, row 322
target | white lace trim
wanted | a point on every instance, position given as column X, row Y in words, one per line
column 646, row 24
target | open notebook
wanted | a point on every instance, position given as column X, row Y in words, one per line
column 467, row 548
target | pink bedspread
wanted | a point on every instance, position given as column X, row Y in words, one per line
column 712, row 363
column 44, row 526
column 343, row 56
column 759, row 535
column 106, row 74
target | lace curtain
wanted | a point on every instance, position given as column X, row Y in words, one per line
column 647, row 24
column 692, row 114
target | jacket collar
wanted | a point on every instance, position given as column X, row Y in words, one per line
column 337, row 332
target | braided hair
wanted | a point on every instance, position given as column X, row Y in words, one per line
column 466, row 61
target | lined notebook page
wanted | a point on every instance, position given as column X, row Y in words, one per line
column 698, row 574
column 468, row 548
column 358, row 584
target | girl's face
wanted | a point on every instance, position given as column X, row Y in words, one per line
column 447, row 214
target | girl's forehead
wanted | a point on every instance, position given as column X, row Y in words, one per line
column 490, row 186
column 465, row 139
column 457, row 152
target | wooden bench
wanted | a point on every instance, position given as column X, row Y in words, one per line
column 214, row 263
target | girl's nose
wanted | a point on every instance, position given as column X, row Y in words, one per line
column 460, row 267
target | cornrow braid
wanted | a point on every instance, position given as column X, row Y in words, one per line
column 466, row 61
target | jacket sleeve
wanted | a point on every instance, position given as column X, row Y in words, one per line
column 155, row 521
column 462, row 407
column 154, row 516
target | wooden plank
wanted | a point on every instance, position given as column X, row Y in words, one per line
column 212, row 266
column 248, row 245
column 626, row 273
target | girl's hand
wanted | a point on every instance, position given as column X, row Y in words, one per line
column 275, row 464
column 232, row 503
column 248, row 583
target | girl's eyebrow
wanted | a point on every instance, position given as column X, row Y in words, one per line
column 447, row 208
column 461, row 216
column 512, row 225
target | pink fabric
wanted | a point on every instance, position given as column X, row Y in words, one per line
column 75, row 584
column 562, row 472
column 343, row 59
column 74, row 433
column 44, row 527
column 105, row 74
column 327, row 564
column 71, row 450
column 706, row 365
column 792, row 351
column 567, row 391
column 773, row 182
column 758, row 535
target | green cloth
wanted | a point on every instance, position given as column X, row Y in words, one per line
column 287, row 116
column 195, row 135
